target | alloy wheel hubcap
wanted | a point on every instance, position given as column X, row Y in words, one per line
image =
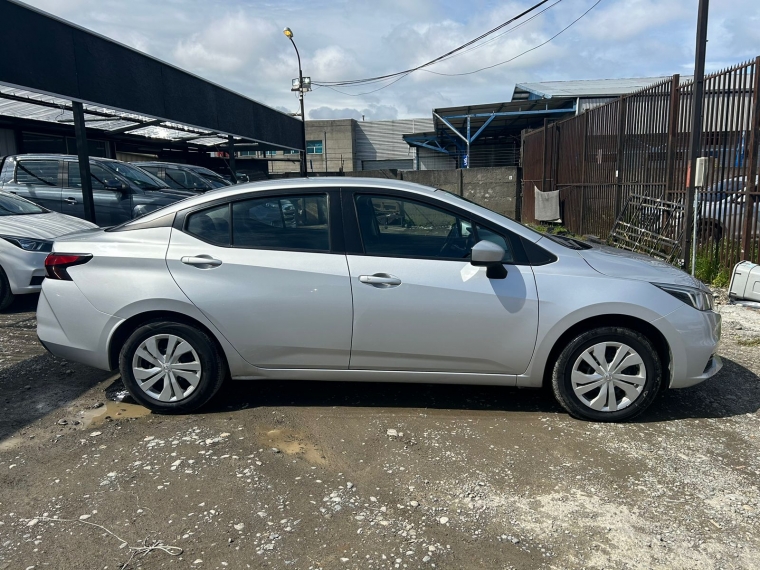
column 608, row 376
column 166, row 367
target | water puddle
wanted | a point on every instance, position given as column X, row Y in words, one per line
column 112, row 411
column 291, row 442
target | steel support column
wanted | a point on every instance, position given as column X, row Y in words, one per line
column 231, row 152
column 80, row 132
column 752, row 158
column 696, row 125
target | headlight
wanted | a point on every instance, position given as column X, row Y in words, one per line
column 698, row 298
column 28, row 244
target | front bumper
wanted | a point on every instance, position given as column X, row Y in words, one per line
column 25, row 269
column 693, row 337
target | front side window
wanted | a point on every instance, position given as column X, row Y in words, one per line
column 395, row 227
column 98, row 175
column 136, row 176
column 314, row 147
column 179, row 178
column 288, row 222
column 37, row 172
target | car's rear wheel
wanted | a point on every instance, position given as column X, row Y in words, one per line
column 171, row 367
column 607, row 374
column 6, row 297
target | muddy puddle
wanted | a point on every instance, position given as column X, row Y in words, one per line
column 112, row 411
column 291, row 442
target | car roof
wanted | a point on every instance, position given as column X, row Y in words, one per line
column 327, row 182
column 49, row 156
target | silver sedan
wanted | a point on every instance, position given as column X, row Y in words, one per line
column 368, row 280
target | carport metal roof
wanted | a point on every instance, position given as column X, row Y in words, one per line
column 49, row 63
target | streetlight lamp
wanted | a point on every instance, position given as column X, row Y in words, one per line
column 302, row 84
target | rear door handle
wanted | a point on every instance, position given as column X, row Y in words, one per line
column 380, row 280
column 70, row 200
column 201, row 261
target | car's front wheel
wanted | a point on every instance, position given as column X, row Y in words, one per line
column 607, row 374
column 171, row 367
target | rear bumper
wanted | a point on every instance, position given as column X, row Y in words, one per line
column 87, row 330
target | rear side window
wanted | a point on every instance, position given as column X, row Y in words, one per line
column 212, row 225
column 291, row 222
column 37, row 172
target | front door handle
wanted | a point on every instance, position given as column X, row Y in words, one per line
column 201, row 261
column 380, row 280
column 70, row 200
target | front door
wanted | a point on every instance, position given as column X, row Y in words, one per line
column 418, row 303
column 112, row 207
column 262, row 271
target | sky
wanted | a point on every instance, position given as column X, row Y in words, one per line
column 239, row 44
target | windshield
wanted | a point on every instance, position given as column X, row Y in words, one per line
column 136, row 176
column 14, row 206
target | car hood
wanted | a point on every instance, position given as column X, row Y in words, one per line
column 623, row 264
column 49, row 225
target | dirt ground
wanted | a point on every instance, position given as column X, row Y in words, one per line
column 329, row 475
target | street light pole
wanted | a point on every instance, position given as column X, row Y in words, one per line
column 289, row 34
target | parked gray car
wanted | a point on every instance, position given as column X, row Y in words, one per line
column 185, row 176
column 446, row 292
column 121, row 191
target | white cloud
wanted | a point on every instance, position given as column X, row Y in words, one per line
column 374, row 112
column 239, row 44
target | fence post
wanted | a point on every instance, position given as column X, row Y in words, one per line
column 584, row 158
column 749, row 199
column 543, row 164
column 670, row 156
column 623, row 107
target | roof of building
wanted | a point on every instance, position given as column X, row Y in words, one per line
column 586, row 87
column 56, row 63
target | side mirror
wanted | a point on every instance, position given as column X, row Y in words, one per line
column 115, row 184
column 490, row 255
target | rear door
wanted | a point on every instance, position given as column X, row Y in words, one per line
column 38, row 180
column 270, row 272
column 418, row 303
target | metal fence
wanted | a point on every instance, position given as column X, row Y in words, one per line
column 636, row 147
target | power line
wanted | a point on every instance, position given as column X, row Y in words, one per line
column 571, row 24
column 439, row 58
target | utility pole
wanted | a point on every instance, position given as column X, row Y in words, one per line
column 696, row 126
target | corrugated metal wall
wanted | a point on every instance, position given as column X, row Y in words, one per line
column 7, row 142
column 382, row 140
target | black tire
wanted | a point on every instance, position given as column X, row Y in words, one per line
column 6, row 297
column 213, row 367
column 563, row 368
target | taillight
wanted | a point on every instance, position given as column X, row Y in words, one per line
column 56, row 264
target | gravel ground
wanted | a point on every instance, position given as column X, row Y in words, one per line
column 329, row 475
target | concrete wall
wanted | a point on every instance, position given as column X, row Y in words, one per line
column 496, row 188
column 338, row 143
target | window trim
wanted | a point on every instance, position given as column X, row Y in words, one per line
column 355, row 244
column 334, row 230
